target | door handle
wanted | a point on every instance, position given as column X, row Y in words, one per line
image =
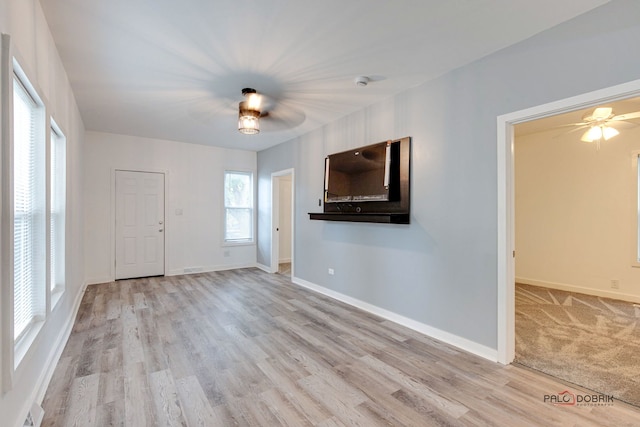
column 160, row 230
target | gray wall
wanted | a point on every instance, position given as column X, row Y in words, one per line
column 441, row 269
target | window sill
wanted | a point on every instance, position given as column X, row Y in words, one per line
column 56, row 296
column 239, row 243
column 23, row 345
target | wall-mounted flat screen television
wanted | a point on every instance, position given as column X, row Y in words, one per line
column 359, row 175
column 368, row 184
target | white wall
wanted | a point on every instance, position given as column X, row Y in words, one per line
column 34, row 48
column 284, row 223
column 575, row 219
column 193, row 185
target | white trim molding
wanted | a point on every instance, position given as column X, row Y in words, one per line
column 263, row 267
column 208, row 269
column 446, row 337
column 40, row 388
column 6, row 226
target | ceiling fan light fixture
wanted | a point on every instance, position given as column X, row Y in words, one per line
column 248, row 119
column 593, row 134
column 249, row 113
column 609, row 132
column 598, row 133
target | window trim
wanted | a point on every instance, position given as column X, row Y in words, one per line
column 239, row 242
column 635, row 209
column 40, row 198
column 57, row 290
column 19, row 346
column 7, row 345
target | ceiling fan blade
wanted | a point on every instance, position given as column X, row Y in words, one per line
column 584, row 126
column 621, row 124
column 627, row 116
column 281, row 118
column 206, row 109
column 569, row 125
column 600, row 113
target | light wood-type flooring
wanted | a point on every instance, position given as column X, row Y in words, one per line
column 247, row 348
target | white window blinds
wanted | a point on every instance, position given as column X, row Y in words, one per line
column 238, row 204
column 27, row 209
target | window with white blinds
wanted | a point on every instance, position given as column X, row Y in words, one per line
column 57, row 182
column 29, row 236
column 238, row 206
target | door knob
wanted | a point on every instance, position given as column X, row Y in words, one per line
column 160, row 230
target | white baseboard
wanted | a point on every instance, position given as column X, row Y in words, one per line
column 98, row 280
column 454, row 340
column 37, row 396
column 263, row 267
column 208, row 269
column 284, row 260
column 579, row 289
column 182, row 271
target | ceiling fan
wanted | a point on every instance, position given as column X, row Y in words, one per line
column 256, row 112
column 258, row 107
column 603, row 124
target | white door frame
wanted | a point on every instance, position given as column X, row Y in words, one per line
column 112, row 223
column 506, row 198
column 275, row 214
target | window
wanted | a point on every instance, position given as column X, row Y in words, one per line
column 238, row 207
column 29, row 214
column 57, row 182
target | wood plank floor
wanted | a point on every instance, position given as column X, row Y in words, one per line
column 247, row 348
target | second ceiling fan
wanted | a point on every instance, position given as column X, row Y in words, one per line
column 603, row 124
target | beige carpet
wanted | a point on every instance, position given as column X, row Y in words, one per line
column 590, row 341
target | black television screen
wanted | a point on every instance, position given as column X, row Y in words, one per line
column 358, row 175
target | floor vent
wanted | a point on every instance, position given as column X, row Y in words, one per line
column 34, row 417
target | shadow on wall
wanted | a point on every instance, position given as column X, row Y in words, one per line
column 412, row 237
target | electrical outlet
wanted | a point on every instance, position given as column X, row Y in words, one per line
column 331, row 272
column 615, row 284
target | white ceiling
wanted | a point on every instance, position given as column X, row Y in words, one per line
column 174, row 69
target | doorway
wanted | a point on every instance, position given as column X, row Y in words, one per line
column 506, row 199
column 282, row 222
column 139, row 224
column 574, row 223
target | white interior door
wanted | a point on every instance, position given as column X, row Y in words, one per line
column 139, row 224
